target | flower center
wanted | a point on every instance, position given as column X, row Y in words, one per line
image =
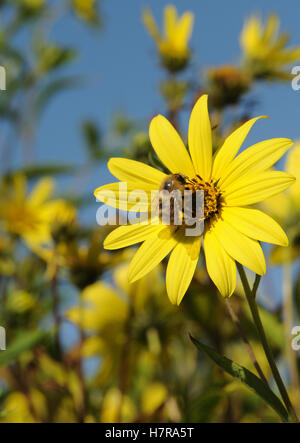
column 212, row 195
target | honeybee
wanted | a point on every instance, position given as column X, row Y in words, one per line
column 173, row 182
column 178, row 205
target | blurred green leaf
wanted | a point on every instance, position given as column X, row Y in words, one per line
column 246, row 377
column 201, row 408
column 92, row 137
column 122, row 125
column 22, row 343
column 274, row 327
column 52, row 57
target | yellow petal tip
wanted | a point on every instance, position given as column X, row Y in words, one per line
column 131, row 278
column 106, row 245
column 96, row 192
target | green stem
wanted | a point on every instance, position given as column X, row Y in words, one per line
column 249, row 348
column 269, row 355
column 287, row 306
column 256, row 284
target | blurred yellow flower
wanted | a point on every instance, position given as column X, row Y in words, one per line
column 102, row 308
column 173, row 44
column 153, row 396
column 265, row 51
column 35, row 217
column 63, row 228
column 117, row 407
column 286, row 208
column 62, row 217
column 20, row 301
column 21, row 408
column 85, row 9
column 292, row 167
column 230, row 184
column 226, row 85
column 139, row 291
column 26, row 215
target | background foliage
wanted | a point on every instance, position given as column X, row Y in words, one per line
column 82, row 344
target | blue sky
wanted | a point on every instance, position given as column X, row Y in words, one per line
column 123, row 73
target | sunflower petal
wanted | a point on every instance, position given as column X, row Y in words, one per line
column 151, row 253
column 231, row 146
column 251, row 33
column 124, row 236
column 257, row 187
column 42, row 191
column 20, row 187
column 181, row 268
column 170, row 18
column 220, row 266
column 169, row 147
column 292, row 167
column 132, row 171
column 200, row 138
column 289, row 55
column 259, row 157
column 150, row 24
column 122, row 195
column 255, row 224
column 271, row 29
column 184, row 29
column 243, row 249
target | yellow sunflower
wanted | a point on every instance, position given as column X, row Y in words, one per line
column 172, row 44
column 230, row 183
column 286, row 208
column 26, row 214
column 32, row 216
column 265, row 49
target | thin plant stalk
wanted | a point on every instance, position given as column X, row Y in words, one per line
column 55, row 309
column 265, row 344
column 84, row 394
column 249, row 348
column 288, row 324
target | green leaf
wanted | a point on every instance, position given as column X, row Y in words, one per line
column 274, row 327
column 246, row 377
column 93, row 142
column 22, row 343
column 202, row 408
column 52, row 57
